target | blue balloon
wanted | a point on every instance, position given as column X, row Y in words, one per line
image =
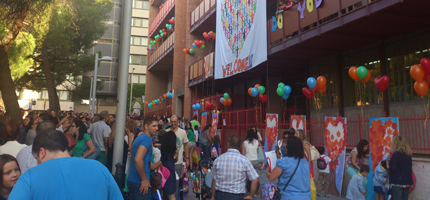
column 194, row 106
column 149, row 105
column 254, row 92
column 220, row 99
column 198, row 106
column 287, row 90
column 285, row 96
column 274, row 23
column 311, row 82
column 194, row 45
column 173, row 17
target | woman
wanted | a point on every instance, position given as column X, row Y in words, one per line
column 357, row 158
column 400, row 168
column 206, row 142
column 300, row 184
column 79, row 132
column 9, row 174
column 191, row 143
column 250, row 147
column 28, row 120
column 260, row 139
column 169, row 156
column 31, row 132
column 10, row 133
column 306, row 145
column 281, row 149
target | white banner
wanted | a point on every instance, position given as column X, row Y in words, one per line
column 241, row 41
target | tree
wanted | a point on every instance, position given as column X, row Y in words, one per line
column 138, row 92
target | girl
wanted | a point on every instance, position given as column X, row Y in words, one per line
column 9, row 174
column 191, row 143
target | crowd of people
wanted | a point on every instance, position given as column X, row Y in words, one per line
column 50, row 153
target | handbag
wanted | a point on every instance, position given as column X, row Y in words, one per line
column 278, row 193
column 96, row 152
column 260, row 155
column 70, row 141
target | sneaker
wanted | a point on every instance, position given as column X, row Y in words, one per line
column 327, row 195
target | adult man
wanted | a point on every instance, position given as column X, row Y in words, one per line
column 140, row 165
column 194, row 123
column 59, row 176
column 230, row 172
column 100, row 134
column 25, row 157
column 182, row 142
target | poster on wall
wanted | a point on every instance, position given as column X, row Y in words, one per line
column 242, row 36
column 209, row 65
column 214, row 124
column 203, row 121
column 335, row 136
column 298, row 122
column 196, row 114
column 382, row 130
column 271, row 135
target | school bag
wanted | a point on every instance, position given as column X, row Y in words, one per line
column 321, row 163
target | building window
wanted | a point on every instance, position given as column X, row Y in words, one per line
column 139, row 4
column 137, row 59
column 137, row 78
column 142, row 79
column 330, row 98
column 139, row 22
column 138, row 41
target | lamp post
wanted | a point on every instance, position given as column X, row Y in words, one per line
column 131, row 90
column 94, row 81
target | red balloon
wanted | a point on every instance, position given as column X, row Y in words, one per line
column 382, row 83
column 368, row 76
column 208, row 106
column 198, row 44
column 188, row 50
column 308, row 92
column 427, row 79
column 229, row 101
column 425, row 64
column 263, row 98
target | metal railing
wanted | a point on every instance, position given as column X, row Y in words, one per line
column 161, row 50
column 168, row 6
column 201, row 11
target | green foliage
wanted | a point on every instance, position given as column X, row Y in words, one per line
column 138, row 92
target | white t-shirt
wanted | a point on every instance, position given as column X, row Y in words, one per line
column 11, row 148
column 251, row 149
column 99, row 131
column 327, row 160
column 181, row 139
column 259, row 137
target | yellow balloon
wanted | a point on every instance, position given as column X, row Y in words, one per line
column 310, row 5
column 280, row 21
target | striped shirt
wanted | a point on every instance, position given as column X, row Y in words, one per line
column 231, row 170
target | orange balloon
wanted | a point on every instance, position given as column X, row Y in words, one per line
column 184, row 50
column 202, row 42
column 368, row 76
column 257, row 86
column 229, row 101
column 249, row 92
column 165, row 95
column 322, row 90
column 353, row 73
column 321, row 82
column 417, row 72
column 213, row 36
column 224, row 102
column 421, row 88
column 211, row 33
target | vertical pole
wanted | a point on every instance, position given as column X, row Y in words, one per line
column 91, row 94
column 96, row 63
column 122, row 83
column 131, row 91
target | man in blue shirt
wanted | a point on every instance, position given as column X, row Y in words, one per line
column 140, row 165
column 59, row 176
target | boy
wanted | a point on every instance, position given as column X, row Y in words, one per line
column 380, row 179
column 155, row 180
column 356, row 190
column 258, row 192
column 323, row 164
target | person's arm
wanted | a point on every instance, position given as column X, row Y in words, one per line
column 213, row 188
column 274, row 174
column 361, row 186
column 354, row 160
column 208, row 135
column 90, row 145
column 62, row 121
column 155, row 165
column 307, row 148
column 393, row 163
column 140, row 167
column 242, row 149
column 106, row 139
column 254, row 184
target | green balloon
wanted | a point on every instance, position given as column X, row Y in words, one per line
column 226, row 96
column 362, row 72
column 162, row 34
column 280, row 91
column 202, row 47
column 261, row 89
column 281, row 85
column 167, row 25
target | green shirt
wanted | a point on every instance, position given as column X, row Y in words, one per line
column 79, row 148
column 191, row 135
column 194, row 123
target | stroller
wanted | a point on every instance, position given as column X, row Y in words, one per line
column 202, row 182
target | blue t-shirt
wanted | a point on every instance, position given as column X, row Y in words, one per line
column 300, row 185
column 66, row 178
column 146, row 141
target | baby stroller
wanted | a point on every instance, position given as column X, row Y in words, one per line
column 202, row 182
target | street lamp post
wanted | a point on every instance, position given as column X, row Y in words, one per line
column 131, row 90
column 94, row 82
column 91, row 94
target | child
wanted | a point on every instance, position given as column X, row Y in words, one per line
column 257, row 192
column 356, row 190
column 323, row 164
column 380, row 178
column 215, row 153
column 155, row 181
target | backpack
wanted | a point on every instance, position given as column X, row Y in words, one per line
column 321, row 163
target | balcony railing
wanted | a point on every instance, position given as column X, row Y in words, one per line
column 168, row 6
column 204, row 10
column 161, row 51
column 201, row 70
column 155, row 2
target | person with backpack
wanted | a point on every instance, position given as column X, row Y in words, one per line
column 323, row 164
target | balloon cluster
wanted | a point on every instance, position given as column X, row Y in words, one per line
column 421, row 75
column 258, row 90
column 162, row 5
column 199, row 44
column 196, row 106
column 209, row 35
column 283, row 90
column 315, row 84
column 172, row 20
column 188, row 51
column 360, row 73
column 159, row 101
column 226, row 100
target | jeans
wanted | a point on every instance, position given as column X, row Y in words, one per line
column 228, row 196
column 399, row 193
column 323, row 182
column 134, row 193
column 178, row 170
column 206, row 153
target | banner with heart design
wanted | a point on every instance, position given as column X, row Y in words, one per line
column 242, row 42
column 298, row 122
column 271, row 135
column 214, row 124
column 335, row 136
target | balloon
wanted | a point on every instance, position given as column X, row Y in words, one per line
column 202, row 42
column 382, row 83
column 368, row 76
column 192, row 51
column 198, row 44
column 257, row 86
column 308, row 92
column 198, row 106
column 285, row 96
column 226, row 96
column 202, row 47
column 417, row 72
column 185, row 50
column 162, row 34
column 254, row 92
column 427, row 79
column 263, row 98
column 287, row 90
column 261, row 90
column 322, row 90
column 161, row 31
column 311, row 82
column 281, row 85
column 224, row 102
column 229, row 102
column 211, row 34
column 321, row 81
column 249, row 91
column 220, row 99
column 194, row 46
column 280, row 91
column 164, row 95
column 206, row 35
column 167, row 25
column 361, row 72
column 193, row 106
column 353, row 73
column 149, row 105
column 208, row 106
column 421, row 88
column 425, row 64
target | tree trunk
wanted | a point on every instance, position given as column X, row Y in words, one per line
column 54, row 102
column 7, row 87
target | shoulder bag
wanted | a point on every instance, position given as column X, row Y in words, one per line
column 70, row 141
column 260, row 154
column 278, row 193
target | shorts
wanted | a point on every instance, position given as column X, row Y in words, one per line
column 378, row 190
column 191, row 145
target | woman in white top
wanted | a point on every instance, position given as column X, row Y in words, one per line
column 250, row 149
